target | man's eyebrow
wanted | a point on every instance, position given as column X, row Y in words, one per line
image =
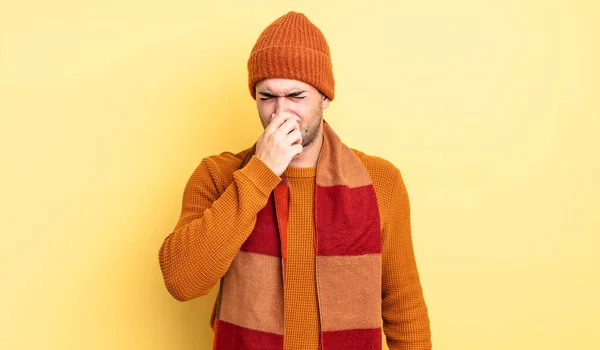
column 295, row 93
column 291, row 94
column 266, row 94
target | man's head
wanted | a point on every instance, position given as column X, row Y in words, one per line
column 303, row 101
column 290, row 71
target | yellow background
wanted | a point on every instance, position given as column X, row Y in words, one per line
column 489, row 108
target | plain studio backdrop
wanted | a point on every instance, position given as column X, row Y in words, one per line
column 489, row 108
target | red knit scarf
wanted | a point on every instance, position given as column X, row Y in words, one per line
column 249, row 312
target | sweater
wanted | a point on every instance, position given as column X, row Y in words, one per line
column 219, row 210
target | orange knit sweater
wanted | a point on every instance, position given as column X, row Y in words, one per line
column 219, row 210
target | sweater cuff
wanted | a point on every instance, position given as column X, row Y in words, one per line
column 260, row 175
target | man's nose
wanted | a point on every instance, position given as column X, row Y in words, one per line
column 281, row 104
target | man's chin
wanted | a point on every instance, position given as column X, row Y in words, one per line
column 307, row 142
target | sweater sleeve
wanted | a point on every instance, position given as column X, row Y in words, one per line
column 213, row 225
column 405, row 316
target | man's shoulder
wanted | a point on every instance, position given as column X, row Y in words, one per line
column 380, row 169
column 385, row 177
column 225, row 163
column 228, row 157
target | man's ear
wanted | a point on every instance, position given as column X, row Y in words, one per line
column 324, row 102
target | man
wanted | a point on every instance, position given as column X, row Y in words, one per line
column 309, row 240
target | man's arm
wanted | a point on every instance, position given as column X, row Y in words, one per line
column 404, row 312
column 213, row 225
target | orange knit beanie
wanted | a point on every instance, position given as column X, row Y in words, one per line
column 292, row 48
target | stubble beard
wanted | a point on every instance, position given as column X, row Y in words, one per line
column 309, row 136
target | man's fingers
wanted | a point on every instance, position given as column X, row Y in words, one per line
column 279, row 120
column 285, row 128
column 275, row 123
column 298, row 148
column 280, row 142
column 294, row 137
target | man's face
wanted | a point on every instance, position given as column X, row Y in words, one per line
column 301, row 100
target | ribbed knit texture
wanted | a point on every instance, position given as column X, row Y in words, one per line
column 292, row 47
column 219, row 210
column 300, row 294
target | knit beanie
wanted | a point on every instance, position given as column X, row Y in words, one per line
column 292, row 48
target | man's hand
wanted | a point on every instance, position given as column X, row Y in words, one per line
column 280, row 142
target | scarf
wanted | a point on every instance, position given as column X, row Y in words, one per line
column 249, row 311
